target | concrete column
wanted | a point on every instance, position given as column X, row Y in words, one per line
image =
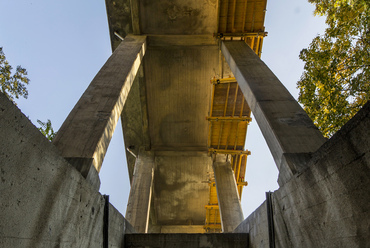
column 138, row 206
column 288, row 131
column 227, row 194
column 85, row 135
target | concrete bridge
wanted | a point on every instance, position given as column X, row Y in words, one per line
column 184, row 77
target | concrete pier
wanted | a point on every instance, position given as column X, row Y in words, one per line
column 138, row 206
column 287, row 129
column 227, row 193
column 85, row 135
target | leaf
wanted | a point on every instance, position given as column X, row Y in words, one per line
column 46, row 129
column 13, row 86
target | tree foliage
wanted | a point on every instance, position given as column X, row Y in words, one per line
column 46, row 129
column 13, row 86
column 335, row 83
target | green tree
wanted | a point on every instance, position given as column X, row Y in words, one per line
column 46, row 129
column 335, row 83
column 13, row 86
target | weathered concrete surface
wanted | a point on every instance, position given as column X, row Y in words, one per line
column 180, row 187
column 256, row 226
column 161, row 17
column 327, row 205
column 45, row 201
column 288, row 131
column 178, row 94
column 228, row 198
column 178, row 17
column 219, row 240
column 139, row 200
column 134, row 120
column 119, row 20
column 118, row 228
column 89, row 127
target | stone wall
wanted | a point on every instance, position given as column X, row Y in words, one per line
column 44, row 201
column 327, row 205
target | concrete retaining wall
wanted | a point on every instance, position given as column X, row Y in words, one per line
column 328, row 204
column 257, row 227
column 44, row 201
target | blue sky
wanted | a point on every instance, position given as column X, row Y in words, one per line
column 63, row 44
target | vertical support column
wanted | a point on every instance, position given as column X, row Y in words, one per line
column 84, row 136
column 138, row 205
column 227, row 193
column 288, row 131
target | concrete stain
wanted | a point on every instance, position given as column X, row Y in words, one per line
column 299, row 119
column 175, row 11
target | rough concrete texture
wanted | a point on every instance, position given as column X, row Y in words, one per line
column 134, row 120
column 327, row 205
column 219, row 240
column 119, row 20
column 256, row 226
column 180, row 187
column 178, row 17
column 228, row 198
column 45, row 201
column 178, row 95
column 88, row 129
column 138, row 205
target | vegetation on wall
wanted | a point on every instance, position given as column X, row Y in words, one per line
column 335, row 83
column 46, row 129
column 14, row 86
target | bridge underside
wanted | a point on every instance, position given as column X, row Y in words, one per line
column 174, row 93
column 184, row 115
column 167, row 108
column 184, row 123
